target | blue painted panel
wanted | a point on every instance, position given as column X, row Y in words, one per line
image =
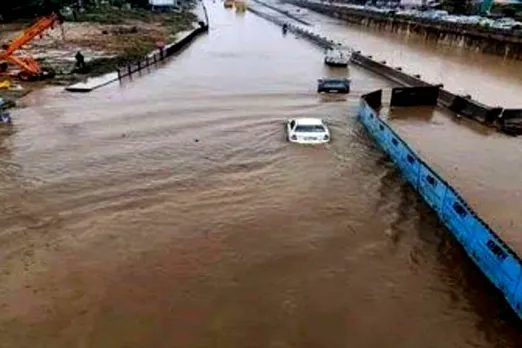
column 495, row 260
column 431, row 188
column 373, row 122
column 368, row 117
column 394, row 146
column 381, row 136
column 459, row 219
column 410, row 165
column 516, row 299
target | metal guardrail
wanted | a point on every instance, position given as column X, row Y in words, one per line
column 138, row 66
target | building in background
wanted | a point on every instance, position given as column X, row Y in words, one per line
column 164, row 5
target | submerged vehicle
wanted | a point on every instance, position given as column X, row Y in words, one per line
column 337, row 58
column 333, row 85
column 5, row 116
column 307, row 131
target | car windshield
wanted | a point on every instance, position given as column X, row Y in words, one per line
column 309, row 129
column 334, row 82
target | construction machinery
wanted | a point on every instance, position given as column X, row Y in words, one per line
column 30, row 69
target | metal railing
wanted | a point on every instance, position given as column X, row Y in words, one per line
column 152, row 59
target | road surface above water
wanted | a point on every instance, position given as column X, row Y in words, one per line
column 487, row 78
column 171, row 212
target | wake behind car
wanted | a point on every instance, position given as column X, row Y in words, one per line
column 333, row 85
column 307, row 131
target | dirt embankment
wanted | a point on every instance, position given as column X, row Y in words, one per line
column 107, row 37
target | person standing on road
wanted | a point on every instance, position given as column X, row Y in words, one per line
column 80, row 61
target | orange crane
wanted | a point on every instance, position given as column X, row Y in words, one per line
column 30, row 68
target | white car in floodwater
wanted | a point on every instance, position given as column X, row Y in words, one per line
column 307, row 131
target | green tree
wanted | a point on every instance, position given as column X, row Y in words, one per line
column 12, row 9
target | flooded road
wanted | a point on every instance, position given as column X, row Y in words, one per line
column 171, row 212
column 487, row 78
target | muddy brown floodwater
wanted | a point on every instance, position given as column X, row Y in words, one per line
column 171, row 212
column 487, row 78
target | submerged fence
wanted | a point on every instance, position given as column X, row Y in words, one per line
column 496, row 260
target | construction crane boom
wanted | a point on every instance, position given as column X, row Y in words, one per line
column 30, row 67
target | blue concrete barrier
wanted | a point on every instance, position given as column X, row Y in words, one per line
column 494, row 258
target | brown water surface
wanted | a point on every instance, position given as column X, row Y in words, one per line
column 171, row 212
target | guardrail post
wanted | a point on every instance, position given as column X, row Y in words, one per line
column 129, row 69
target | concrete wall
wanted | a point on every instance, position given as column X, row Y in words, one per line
column 495, row 259
column 506, row 44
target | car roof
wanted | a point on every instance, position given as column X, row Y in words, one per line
column 333, row 79
column 308, row 121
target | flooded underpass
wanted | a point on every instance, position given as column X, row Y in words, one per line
column 171, row 212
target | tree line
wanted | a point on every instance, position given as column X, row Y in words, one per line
column 14, row 9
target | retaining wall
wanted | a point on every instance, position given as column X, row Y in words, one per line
column 496, row 260
column 496, row 41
